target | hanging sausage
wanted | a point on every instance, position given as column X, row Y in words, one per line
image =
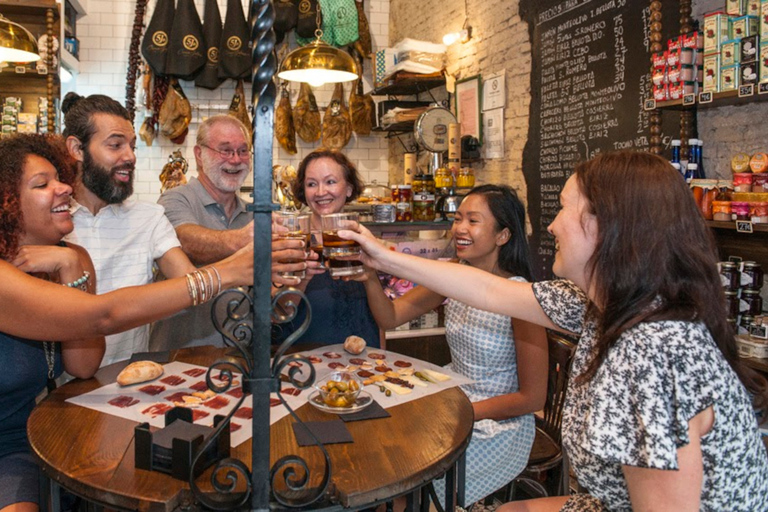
column 337, row 125
column 238, row 109
column 306, row 115
column 284, row 131
column 209, row 77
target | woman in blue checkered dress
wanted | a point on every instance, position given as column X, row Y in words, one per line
column 506, row 358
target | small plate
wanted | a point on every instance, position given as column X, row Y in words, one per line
column 364, row 399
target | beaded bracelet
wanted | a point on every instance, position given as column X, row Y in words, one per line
column 80, row 283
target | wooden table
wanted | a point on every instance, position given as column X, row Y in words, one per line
column 92, row 453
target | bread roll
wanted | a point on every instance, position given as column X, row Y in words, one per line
column 354, row 344
column 140, row 371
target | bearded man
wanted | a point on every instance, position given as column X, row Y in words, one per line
column 124, row 237
column 210, row 219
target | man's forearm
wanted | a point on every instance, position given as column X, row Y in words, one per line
column 204, row 246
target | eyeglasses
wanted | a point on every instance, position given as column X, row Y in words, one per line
column 229, row 153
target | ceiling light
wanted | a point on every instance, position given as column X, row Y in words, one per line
column 318, row 63
column 16, row 43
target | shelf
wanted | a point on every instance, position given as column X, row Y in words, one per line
column 396, row 227
column 761, row 228
column 23, row 6
column 719, row 99
column 69, row 61
column 402, row 84
column 402, row 127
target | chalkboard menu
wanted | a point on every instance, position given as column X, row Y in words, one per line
column 589, row 79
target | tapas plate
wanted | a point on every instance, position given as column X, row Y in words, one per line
column 364, row 399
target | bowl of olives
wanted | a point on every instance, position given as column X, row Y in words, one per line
column 339, row 389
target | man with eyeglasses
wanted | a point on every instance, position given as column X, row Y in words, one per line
column 210, row 220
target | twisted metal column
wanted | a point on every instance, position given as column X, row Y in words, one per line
column 261, row 19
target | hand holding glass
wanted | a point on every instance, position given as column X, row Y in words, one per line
column 297, row 228
column 335, row 247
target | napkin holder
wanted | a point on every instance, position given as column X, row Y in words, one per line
column 173, row 448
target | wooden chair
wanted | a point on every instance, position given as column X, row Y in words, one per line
column 547, row 452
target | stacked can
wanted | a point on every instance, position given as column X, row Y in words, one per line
column 742, row 284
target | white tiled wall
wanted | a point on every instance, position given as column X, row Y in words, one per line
column 104, row 35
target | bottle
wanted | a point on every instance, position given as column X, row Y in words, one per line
column 691, row 172
column 700, row 157
column 675, row 152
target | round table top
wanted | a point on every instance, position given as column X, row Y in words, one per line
column 92, row 453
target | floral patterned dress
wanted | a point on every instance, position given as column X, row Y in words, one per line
column 482, row 348
column 635, row 410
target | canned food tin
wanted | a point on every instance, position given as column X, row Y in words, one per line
column 384, row 213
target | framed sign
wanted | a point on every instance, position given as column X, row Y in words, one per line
column 468, row 106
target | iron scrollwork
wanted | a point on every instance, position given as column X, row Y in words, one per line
column 290, row 476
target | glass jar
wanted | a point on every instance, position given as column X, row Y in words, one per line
column 424, row 201
column 732, row 304
column 742, row 181
column 466, row 178
column 704, row 192
column 753, row 302
column 404, row 193
column 751, row 276
column 730, row 276
column 760, row 182
column 758, row 211
column 744, row 324
column 725, row 190
column 403, row 212
column 395, row 193
column 721, row 211
column 733, row 324
column 429, row 184
column 418, row 183
column 443, row 178
column 740, row 210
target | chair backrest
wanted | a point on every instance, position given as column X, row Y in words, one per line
column 561, row 352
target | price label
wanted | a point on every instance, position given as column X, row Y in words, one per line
column 42, row 69
column 650, row 104
column 744, row 226
column 746, row 90
column 758, row 331
column 689, row 99
column 21, row 69
column 705, row 97
column 762, row 88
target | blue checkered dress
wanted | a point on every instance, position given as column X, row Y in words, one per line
column 483, row 348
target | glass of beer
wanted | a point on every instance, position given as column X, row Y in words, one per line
column 335, row 247
column 296, row 228
column 316, row 244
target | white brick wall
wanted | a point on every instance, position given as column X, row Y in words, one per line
column 499, row 42
column 104, row 35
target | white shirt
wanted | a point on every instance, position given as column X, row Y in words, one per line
column 124, row 240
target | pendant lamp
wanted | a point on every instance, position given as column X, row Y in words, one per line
column 318, row 63
column 16, row 43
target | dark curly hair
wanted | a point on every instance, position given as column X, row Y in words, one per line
column 13, row 153
column 350, row 173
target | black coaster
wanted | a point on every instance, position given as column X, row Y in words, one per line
column 161, row 357
column 327, row 432
column 372, row 412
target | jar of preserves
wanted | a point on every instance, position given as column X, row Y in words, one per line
column 744, row 324
column 704, row 192
column 742, row 181
column 424, row 201
column 395, row 194
column 721, row 211
column 753, row 302
column 403, row 212
column 429, row 184
column 732, row 304
column 730, row 276
column 725, row 190
column 418, row 183
column 740, row 210
column 758, row 212
column 443, row 178
column 466, row 178
column 751, row 276
column 733, row 324
column 404, row 193
column 760, row 182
